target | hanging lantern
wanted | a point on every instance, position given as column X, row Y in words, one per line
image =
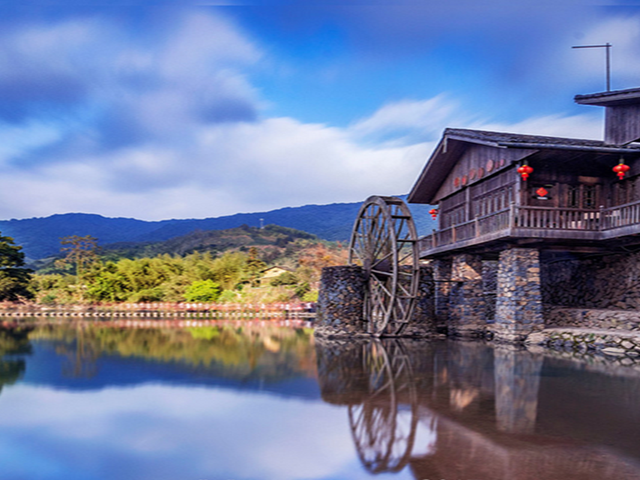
column 621, row 169
column 524, row 171
column 434, row 213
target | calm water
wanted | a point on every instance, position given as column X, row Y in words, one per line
column 270, row 403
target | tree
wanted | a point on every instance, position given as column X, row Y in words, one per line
column 14, row 277
column 203, row 291
column 254, row 267
column 80, row 252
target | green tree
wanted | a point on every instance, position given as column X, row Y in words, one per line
column 229, row 269
column 203, row 291
column 14, row 277
column 109, row 284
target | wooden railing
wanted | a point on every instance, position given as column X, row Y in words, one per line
column 556, row 218
column 543, row 218
column 620, row 216
column 475, row 228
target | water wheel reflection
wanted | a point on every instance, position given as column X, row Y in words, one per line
column 384, row 424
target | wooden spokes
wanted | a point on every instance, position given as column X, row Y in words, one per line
column 384, row 243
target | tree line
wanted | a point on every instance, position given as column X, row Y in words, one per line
column 83, row 275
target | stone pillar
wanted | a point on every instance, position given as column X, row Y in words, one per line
column 442, row 290
column 341, row 301
column 519, row 303
column 517, row 381
column 466, row 300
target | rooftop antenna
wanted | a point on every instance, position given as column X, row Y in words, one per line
column 607, row 46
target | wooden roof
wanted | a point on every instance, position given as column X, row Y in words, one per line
column 610, row 99
column 455, row 141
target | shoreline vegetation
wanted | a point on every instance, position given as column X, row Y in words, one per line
column 241, row 270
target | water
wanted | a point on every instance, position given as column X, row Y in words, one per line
column 82, row 402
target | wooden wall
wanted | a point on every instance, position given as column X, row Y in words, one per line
column 476, row 164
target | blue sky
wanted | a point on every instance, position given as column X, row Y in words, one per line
column 159, row 110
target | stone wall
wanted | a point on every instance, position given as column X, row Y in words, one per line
column 467, row 306
column 490, row 288
column 442, row 291
column 423, row 320
column 602, row 282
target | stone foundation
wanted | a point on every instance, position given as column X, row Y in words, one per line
column 467, row 296
column 608, row 342
column 341, row 301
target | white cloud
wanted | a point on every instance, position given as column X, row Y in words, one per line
column 425, row 117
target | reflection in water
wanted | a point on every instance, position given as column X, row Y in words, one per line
column 13, row 341
column 268, row 353
column 457, row 410
column 231, row 402
column 517, row 375
column 382, row 432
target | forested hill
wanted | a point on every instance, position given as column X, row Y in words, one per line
column 218, row 241
column 40, row 237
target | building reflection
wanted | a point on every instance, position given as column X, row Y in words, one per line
column 469, row 410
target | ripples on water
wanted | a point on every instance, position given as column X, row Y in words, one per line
column 81, row 401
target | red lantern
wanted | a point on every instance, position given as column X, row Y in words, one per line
column 621, row 169
column 434, row 213
column 524, row 171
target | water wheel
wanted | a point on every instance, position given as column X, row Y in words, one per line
column 385, row 243
column 384, row 426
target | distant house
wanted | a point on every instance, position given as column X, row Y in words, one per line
column 272, row 273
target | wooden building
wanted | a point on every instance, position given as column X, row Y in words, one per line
column 499, row 235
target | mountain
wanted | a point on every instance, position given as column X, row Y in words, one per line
column 40, row 237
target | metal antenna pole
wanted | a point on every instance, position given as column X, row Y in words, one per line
column 606, row 46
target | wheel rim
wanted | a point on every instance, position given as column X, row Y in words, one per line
column 384, row 243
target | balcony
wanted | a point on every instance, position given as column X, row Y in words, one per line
column 543, row 223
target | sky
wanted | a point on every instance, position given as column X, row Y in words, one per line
column 173, row 109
